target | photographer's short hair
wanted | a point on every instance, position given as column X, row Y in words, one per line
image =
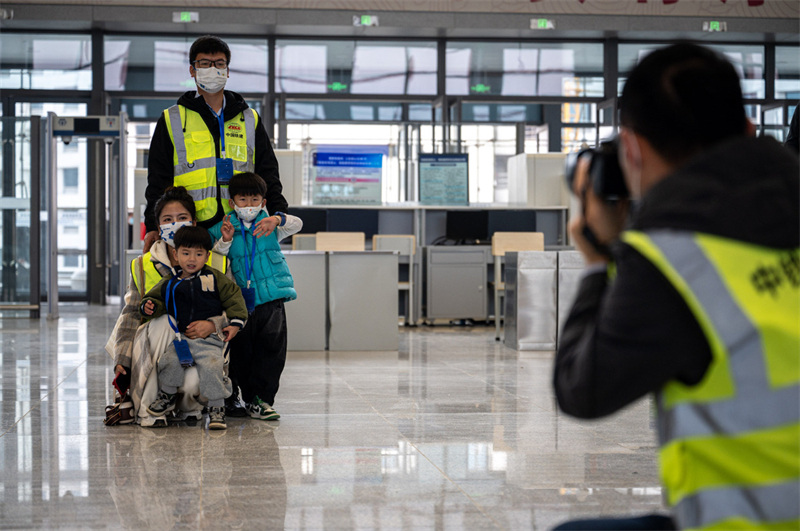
column 209, row 44
column 247, row 183
column 683, row 99
column 193, row 237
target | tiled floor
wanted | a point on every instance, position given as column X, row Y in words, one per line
column 453, row 431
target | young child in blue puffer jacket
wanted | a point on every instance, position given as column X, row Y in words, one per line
column 258, row 352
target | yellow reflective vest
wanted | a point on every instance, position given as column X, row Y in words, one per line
column 195, row 155
column 146, row 276
column 730, row 445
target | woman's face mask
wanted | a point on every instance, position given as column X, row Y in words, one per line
column 247, row 214
column 212, row 80
column 168, row 230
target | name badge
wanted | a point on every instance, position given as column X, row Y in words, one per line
column 224, row 170
column 183, row 352
column 249, row 295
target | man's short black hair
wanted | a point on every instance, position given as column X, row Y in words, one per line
column 683, row 99
column 192, row 237
column 247, row 183
column 209, row 44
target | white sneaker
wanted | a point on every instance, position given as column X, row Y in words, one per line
column 258, row 409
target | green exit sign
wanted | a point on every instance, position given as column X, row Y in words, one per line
column 480, row 88
column 715, row 25
column 542, row 24
column 337, row 87
column 185, row 17
column 365, row 20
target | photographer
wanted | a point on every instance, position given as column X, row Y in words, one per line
column 700, row 303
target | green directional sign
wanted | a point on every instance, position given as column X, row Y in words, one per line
column 714, row 25
column 186, row 16
column 480, row 88
column 337, row 87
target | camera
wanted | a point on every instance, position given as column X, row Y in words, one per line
column 605, row 173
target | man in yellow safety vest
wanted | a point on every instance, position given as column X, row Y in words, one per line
column 205, row 138
column 697, row 300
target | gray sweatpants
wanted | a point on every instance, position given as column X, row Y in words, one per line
column 208, row 356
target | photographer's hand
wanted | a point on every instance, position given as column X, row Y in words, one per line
column 605, row 220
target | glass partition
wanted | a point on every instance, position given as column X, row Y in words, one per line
column 787, row 72
column 524, row 69
column 489, row 147
column 46, row 62
column 71, row 190
column 161, row 64
column 501, row 112
column 16, row 208
column 355, row 67
column 748, row 60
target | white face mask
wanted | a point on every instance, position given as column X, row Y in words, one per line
column 168, row 231
column 247, row 214
column 212, row 80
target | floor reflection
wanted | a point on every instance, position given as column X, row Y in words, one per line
column 452, row 431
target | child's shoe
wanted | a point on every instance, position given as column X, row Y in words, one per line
column 216, row 418
column 259, row 409
column 163, row 404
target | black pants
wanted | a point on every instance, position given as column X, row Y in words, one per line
column 258, row 352
column 651, row 521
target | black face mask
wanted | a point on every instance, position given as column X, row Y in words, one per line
column 590, row 236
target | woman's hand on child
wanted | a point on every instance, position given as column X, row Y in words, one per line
column 149, row 307
column 227, row 229
column 200, row 329
column 230, row 332
column 266, row 226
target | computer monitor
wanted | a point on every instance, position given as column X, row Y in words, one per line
column 314, row 219
column 353, row 220
column 467, row 226
column 512, row 221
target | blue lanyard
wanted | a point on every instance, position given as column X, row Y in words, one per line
column 174, row 306
column 248, row 260
column 221, row 120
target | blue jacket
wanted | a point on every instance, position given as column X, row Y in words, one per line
column 270, row 274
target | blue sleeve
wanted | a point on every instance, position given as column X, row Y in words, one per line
column 216, row 232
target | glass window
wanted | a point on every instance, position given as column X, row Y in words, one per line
column 748, row 60
column 787, row 72
column 70, row 179
column 355, row 67
column 162, row 64
column 499, row 112
column 524, row 69
column 48, row 62
column 420, row 112
column 72, row 213
column 749, row 64
column 145, row 109
column 345, row 111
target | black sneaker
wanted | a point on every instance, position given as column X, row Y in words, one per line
column 233, row 408
column 163, row 404
column 216, row 418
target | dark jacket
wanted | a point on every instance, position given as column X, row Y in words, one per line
column 626, row 338
column 160, row 173
column 203, row 295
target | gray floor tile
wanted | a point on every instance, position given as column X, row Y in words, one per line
column 452, row 431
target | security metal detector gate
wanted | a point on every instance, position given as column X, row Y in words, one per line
column 107, row 204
